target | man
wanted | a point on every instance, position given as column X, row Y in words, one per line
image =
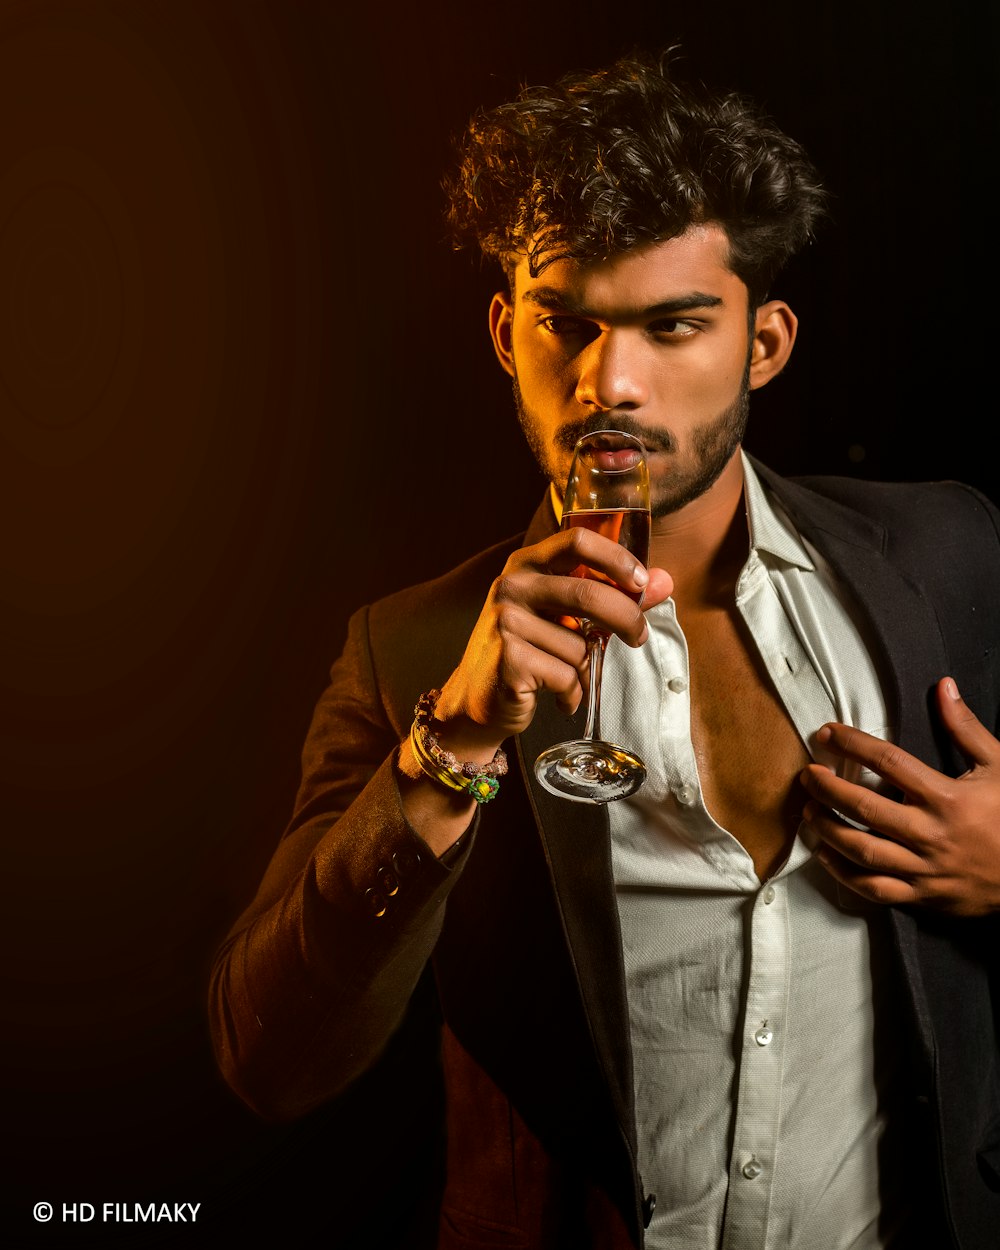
column 696, row 1017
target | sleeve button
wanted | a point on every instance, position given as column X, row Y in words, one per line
column 387, row 881
column 377, row 902
column 405, row 861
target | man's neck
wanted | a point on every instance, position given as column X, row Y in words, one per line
column 704, row 545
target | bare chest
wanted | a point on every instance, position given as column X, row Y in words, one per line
column 748, row 752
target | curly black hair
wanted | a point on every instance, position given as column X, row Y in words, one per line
column 604, row 161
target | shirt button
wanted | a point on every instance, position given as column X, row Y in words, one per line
column 677, row 684
column 769, row 894
column 763, row 1036
column 685, row 795
column 751, row 1168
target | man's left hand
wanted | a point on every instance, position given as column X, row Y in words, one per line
column 940, row 845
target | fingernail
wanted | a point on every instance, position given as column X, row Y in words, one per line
column 640, row 576
column 824, row 733
column 951, row 689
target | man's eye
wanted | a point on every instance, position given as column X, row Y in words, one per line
column 671, row 327
column 569, row 326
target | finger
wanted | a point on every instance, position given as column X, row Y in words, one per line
column 970, row 734
column 517, row 626
column 887, row 760
column 562, row 679
column 531, row 653
column 523, row 669
column 584, row 549
column 886, row 891
column 898, row 821
column 867, row 851
column 554, row 597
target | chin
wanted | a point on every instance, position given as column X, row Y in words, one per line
column 672, row 496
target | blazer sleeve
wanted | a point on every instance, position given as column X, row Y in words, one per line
column 315, row 976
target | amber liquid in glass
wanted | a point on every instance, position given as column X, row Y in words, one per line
column 627, row 526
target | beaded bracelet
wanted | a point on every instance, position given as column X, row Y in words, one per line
column 479, row 781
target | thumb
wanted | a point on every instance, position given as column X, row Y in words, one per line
column 967, row 730
column 661, row 584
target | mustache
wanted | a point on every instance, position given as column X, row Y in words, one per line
column 568, row 436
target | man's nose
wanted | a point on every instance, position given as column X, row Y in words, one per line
column 613, row 372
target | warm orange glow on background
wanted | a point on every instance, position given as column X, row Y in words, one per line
column 235, row 350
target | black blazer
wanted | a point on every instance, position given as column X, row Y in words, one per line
column 526, row 955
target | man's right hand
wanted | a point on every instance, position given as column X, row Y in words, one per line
column 519, row 647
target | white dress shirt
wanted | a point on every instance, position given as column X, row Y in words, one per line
column 758, row 1104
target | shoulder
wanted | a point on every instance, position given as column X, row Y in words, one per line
column 431, row 618
column 911, row 504
column 941, row 538
column 411, row 641
column 902, row 516
column 415, row 637
column 396, row 648
column 442, row 603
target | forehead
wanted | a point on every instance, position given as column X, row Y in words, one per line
column 644, row 276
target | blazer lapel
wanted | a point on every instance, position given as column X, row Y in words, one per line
column 910, row 662
column 577, row 845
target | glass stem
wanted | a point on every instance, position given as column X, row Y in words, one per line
column 596, row 643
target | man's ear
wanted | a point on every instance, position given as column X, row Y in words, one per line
column 774, row 337
column 501, row 330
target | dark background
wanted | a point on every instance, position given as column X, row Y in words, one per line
column 245, row 386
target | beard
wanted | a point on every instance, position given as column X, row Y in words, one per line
column 713, row 445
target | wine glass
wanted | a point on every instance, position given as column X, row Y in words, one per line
column 607, row 492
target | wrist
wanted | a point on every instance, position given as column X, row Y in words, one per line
column 477, row 778
column 439, row 817
column 459, row 733
column 465, row 739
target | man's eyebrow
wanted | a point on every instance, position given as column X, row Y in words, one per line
column 554, row 300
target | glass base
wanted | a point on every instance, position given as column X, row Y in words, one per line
column 590, row 772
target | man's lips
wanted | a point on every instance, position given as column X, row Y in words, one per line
column 653, row 441
column 617, row 461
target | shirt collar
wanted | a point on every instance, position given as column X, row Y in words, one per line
column 770, row 528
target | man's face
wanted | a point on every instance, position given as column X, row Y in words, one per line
column 655, row 341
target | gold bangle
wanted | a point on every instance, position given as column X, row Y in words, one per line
column 479, row 781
